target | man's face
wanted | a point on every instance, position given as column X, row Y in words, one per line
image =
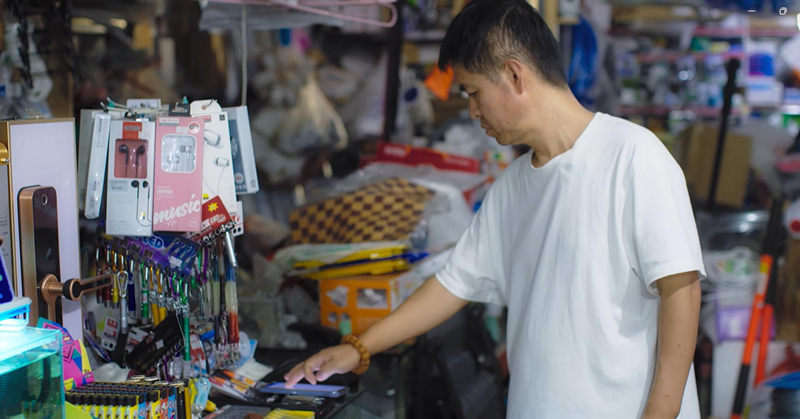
column 495, row 103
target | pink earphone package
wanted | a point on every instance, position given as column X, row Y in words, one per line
column 129, row 208
column 177, row 202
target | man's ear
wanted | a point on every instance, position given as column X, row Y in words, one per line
column 513, row 69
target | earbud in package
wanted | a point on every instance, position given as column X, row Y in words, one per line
column 177, row 204
column 244, row 161
column 217, row 156
column 129, row 211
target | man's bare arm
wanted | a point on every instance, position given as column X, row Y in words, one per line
column 678, row 316
column 427, row 308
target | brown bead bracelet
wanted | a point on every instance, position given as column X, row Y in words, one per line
column 353, row 341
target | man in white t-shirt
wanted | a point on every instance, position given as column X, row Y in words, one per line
column 589, row 240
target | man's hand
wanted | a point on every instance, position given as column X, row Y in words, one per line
column 334, row 360
column 427, row 308
column 678, row 316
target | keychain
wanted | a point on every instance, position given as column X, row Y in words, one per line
column 162, row 295
column 115, row 288
column 122, row 281
column 144, row 273
column 233, row 312
column 108, row 269
column 131, row 288
column 100, row 271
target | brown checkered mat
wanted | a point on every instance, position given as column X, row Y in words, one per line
column 387, row 210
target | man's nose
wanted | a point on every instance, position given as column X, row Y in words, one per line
column 473, row 109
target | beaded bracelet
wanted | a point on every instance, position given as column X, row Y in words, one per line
column 353, row 341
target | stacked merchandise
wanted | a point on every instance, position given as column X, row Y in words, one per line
column 167, row 178
column 372, row 239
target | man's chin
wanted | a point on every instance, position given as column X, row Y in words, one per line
column 500, row 139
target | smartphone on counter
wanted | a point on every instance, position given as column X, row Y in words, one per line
column 318, row 390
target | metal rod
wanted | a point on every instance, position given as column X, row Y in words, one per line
column 730, row 87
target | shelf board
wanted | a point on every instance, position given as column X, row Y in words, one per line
column 744, row 32
column 672, row 56
column 661, row 111
column 424, row 36
column 709, row 32
column 703, row 111
column 788, row 109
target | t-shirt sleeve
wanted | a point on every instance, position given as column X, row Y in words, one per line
column 662, row 233
column 470, row 274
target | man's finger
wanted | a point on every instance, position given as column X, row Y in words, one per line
column 327, row 371
column 294, row 376
column 293, row 370
column 308, row 371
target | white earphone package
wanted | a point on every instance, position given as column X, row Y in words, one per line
column 130, row 192
column 244, row 160
column 217, row 156
column 92, row 156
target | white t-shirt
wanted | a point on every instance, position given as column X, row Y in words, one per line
column 574, row 248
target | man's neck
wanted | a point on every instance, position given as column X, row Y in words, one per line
column 563, row 121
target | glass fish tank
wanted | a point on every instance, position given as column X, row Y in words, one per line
column 31, row 384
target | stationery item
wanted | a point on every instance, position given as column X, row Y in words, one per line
column 165, row 342
column 145, row 292
column 238, row 412
column 179, row 174
column 356, row 256
column 380, row 267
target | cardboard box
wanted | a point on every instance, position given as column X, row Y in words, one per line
column 178, row 191
column 695, row 150
column 129, row 210
column 244, row 160
column 363, row 299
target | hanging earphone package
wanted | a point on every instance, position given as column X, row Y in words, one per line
column 244, row 160
column 129, row 210
column 178, row 191
column 217, row 155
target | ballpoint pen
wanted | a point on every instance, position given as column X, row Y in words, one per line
column 144, row 272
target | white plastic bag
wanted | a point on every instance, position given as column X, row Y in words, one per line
column 311, row 124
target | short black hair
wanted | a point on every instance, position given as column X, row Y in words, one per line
column 487, row 33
